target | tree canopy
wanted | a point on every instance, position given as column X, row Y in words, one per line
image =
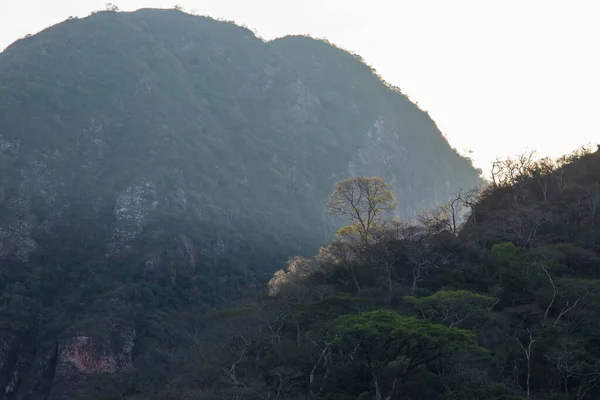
column 363, row 201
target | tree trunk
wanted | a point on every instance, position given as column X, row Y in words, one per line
column 527, row 352
column 416, row 275
column 375, row 381
column 528, row 375
column 393, row 389
column 390, row 285
column 355, row 280
column 298, row 333
column 377, row 388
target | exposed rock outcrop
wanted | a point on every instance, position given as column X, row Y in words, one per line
column 82, row 356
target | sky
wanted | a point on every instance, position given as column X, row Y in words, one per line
column 499, row 77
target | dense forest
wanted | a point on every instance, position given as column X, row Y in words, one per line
column 492, row 296
column 500, row 306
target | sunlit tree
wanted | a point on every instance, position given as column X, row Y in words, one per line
column 363, row 201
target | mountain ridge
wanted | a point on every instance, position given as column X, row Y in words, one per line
column 156, row 163
column 229, row 93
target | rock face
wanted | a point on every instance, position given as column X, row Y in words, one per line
column 63, row 370
column 81, row 356
column 157, row 153
column 134, row 206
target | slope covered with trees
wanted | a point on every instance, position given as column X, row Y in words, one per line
column 456, row 306
column 164, row 138
column 419, row 311
column 151, row 173
column 154, row 164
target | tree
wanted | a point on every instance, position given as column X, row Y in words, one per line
column 451, row 307
column 298, row 269
column 343, row 253
column 395, row 345
column 386, row 258
column 568, row 358
column 527, row 347
column 421, row 259
column 447, row 217
column 512, row 171
column 568, row 293
column 111, row 7
column 362, row 201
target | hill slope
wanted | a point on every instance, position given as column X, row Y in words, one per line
column 158, row 161
column 122, row 120
column 423, row 311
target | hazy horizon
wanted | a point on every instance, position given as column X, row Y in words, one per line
column 498, row 79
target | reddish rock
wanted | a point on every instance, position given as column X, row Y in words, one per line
column 82, row 356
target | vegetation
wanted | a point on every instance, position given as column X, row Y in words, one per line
column 362, row 201
column 421, row 313
column 204, row 136
column 218, row 148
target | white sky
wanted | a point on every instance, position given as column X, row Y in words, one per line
column 499, row 77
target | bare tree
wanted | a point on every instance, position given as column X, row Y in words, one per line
column 449, row 216
column 567, row 360
column 342, row 252
column 571, row 291
column 512, row 170
column 589, row 378
column 527, row 347
column 422, row 259
column 386, row 259
column 470, row 199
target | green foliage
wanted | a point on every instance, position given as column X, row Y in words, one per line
column 396, row 346
column 363, row 202
column 391, row 327
column 452, row 307
column 504, row 250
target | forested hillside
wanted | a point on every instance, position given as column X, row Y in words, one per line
column 199, row 143
column 157, row 171
column 156, row 164
column 189, row 212
column 499, row 309
column 484, row 308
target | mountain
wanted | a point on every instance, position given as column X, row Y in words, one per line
column 200, row 137
column 154, row 163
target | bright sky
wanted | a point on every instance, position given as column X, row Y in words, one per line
column 499, row 77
